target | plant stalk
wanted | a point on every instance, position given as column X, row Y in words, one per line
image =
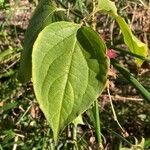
column 130, row 53
column 94, row 18
column 97, row 124
column 132, row 80
column 96, row 109
column 74, row 136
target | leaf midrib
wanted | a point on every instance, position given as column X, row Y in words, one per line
column 67, row 80
column 53, row 60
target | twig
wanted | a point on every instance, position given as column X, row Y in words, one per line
column 23, row 115
column 94, row 18
column 111, row 31
column 122, row 98
column 143, row 2
column 113, row 110
column 85, row 19
column 72, row 11
column 15, row 145
column 130, row 53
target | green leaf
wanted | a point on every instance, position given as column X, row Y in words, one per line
column 45, row 14
column 78, row 120
column 108, row 6
column 8, row 73
column 69, row 72
column 9, row 106
column 9, row 134
column 5, row 54
column 134, row 44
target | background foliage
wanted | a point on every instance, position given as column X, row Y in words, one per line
column 22, row 124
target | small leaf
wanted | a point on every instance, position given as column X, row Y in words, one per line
column 142, row 143
column 9, row 106
column 69, row 72
column 45, row 14
column 78, row 120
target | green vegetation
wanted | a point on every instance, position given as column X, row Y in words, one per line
column 71, row 38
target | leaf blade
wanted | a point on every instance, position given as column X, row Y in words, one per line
column 65, row 77
column 45, row 14
column 134, row 44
